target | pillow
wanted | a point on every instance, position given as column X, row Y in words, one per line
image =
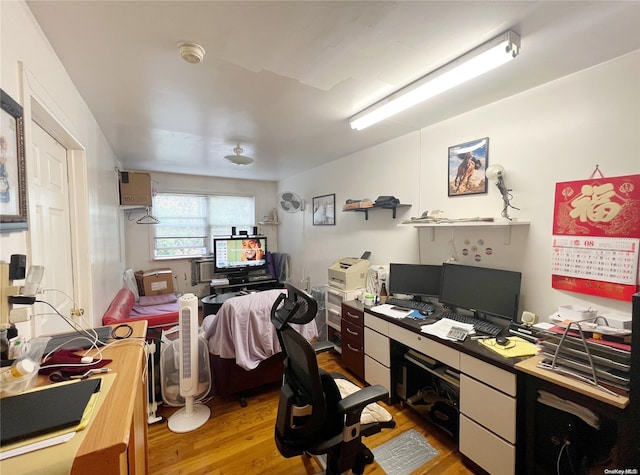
column 372, row 412
column 130, row 283
column 150, row 300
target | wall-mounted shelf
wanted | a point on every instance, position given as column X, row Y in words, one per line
column 371, row 208
column 498, row 223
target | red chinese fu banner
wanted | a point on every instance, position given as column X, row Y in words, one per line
column 602, row 215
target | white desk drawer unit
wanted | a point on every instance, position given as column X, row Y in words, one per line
column 435, row 350
column 487, row 415
column 488, row 450
column 377, row 349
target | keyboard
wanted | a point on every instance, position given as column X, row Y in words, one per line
column 405, row 303
column 478, row 324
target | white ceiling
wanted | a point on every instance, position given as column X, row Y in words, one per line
column 282, row 78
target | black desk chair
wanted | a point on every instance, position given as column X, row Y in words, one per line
column 313, row 418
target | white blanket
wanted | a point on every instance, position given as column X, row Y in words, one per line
column 242, row 329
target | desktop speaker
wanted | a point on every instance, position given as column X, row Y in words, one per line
column 528, row 318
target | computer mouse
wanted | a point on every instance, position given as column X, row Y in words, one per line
column 502, row 340
column 426, row 313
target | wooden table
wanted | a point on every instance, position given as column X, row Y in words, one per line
column 115, row 441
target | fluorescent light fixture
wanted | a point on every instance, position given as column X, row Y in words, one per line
column 480, row 60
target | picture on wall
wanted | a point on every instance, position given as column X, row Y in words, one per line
column 467, row 165
column 13, row 193
column 324, row 210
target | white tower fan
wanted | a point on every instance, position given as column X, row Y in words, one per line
column 193, row 414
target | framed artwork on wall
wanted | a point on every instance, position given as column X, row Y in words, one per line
column 13, row 188
column 324, row 210
column 467, row 165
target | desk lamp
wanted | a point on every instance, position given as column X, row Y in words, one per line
column 495, row 173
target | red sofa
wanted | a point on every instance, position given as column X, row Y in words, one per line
column 124, row 309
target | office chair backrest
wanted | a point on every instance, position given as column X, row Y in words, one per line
column 309, row 395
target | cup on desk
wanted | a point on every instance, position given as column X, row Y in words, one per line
column 368, row 300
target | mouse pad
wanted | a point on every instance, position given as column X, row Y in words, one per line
column 515, row 348
column 47, row 410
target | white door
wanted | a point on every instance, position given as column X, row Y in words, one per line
column 49, row 190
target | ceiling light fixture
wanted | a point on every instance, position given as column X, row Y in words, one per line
column 191, row 52
column 478, row 61
column 238, row 158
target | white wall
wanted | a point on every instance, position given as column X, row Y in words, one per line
column 138, row 237
column 556, row 132
column 26, row 56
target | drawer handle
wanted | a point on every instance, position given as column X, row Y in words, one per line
column 352, row 348
column 353, row 315
column 352, row 332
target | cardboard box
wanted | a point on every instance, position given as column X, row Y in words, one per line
column 135, row 189
column 155, row 282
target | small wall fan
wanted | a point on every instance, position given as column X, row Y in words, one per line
column 290, row 202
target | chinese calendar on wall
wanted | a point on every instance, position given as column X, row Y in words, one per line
column 596, row 234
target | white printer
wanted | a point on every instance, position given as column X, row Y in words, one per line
column 348, row 273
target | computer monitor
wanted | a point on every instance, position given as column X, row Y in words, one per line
column 419, row 280
column 487, row 292
column 239, row 254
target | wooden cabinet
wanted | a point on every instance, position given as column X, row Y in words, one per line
column 352, row 331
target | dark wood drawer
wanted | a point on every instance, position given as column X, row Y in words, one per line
column 353, row 316
column 353, row 348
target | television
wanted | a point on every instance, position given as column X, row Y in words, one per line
column 418, row 280
column 239, row 254
column 485, row 291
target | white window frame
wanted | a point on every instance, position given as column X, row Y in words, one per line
column 222, row 227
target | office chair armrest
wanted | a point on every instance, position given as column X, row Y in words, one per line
column 354, row 403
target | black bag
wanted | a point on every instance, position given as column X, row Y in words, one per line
column 387, row 201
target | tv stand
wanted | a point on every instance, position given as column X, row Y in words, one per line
column 245, row 283
column 238, row 279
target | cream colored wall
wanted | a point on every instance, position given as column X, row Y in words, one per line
column 138, row 237
column 556, row 132
column 28, row 64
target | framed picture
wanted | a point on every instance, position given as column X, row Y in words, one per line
column 13, row 188
column 467, row 165
column 324, row 210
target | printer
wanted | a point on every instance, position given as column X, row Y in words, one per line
column 348, row 273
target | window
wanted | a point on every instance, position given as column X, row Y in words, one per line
column 189, row 222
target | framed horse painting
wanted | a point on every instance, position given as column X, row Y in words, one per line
column 467, row 164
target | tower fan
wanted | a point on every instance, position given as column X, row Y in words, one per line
column 190, row 375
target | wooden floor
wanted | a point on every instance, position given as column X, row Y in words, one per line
column 239, row 440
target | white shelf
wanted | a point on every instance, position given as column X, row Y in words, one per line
column 498, row 223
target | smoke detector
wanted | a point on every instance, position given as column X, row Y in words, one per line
column 191, row 52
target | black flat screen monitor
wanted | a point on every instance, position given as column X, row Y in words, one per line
column 419, row 280
column 239, row 254
column 486, row 291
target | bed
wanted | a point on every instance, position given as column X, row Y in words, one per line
column 244, row 351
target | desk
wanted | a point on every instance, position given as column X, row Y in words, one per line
column 212, row 303
column 607, row 406
column 487, row 406
column 263, row 284
column 116, row 438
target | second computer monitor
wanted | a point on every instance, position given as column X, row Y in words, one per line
column 419, row 280
column 487, row 291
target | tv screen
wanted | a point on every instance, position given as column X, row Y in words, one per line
column 487, row 291
column 239, row 253
column 418, row 280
